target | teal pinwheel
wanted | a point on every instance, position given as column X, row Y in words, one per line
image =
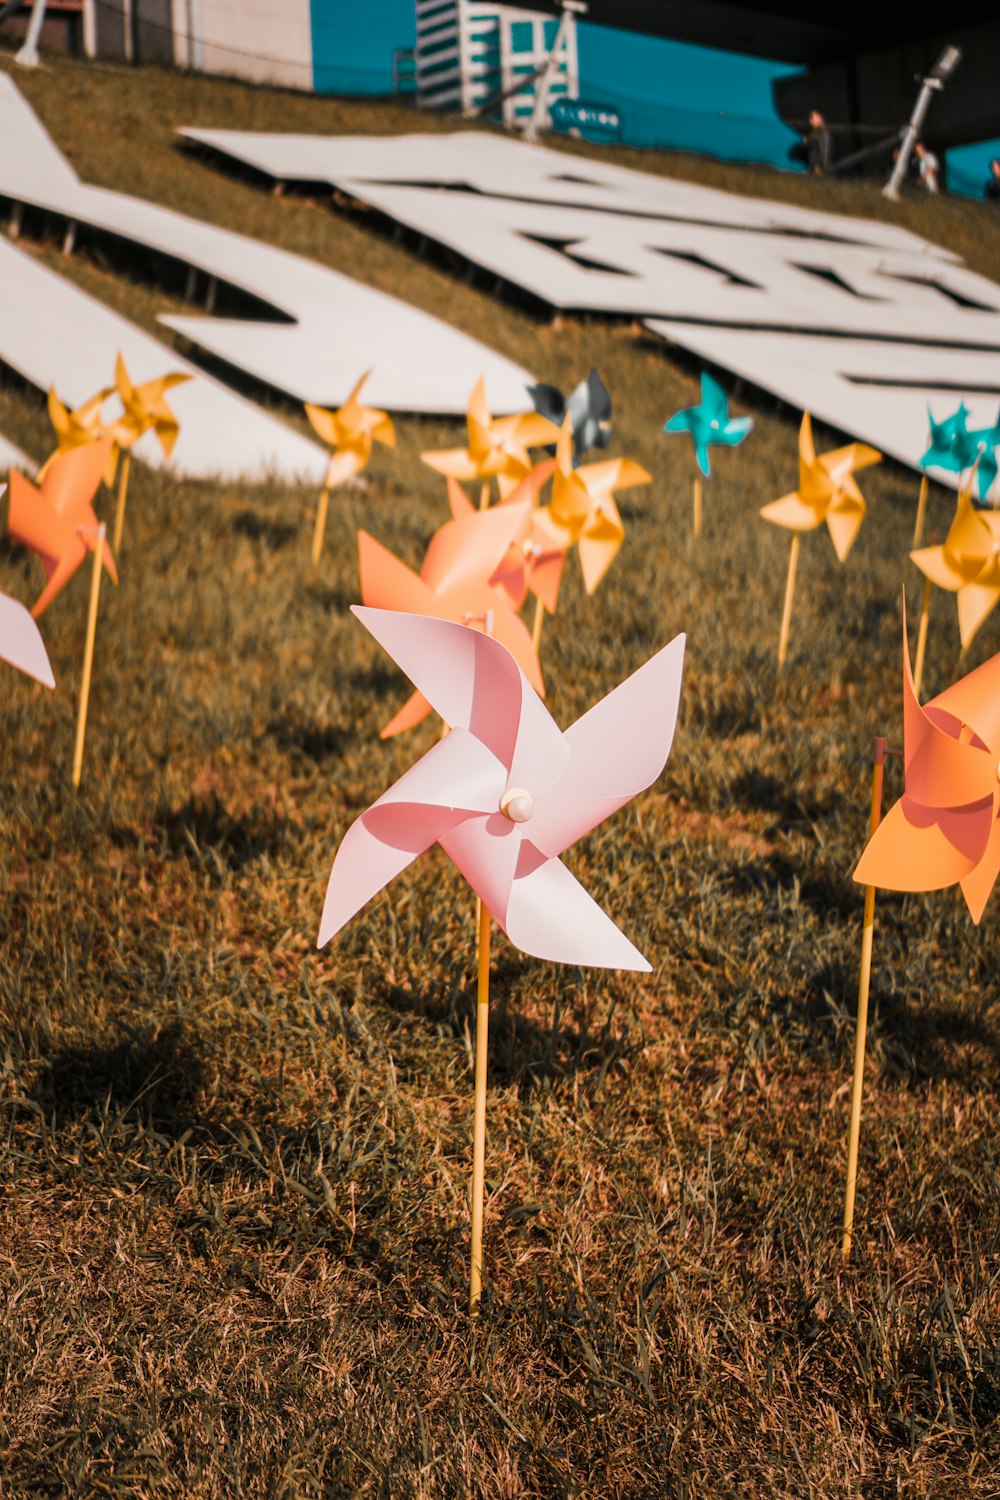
column 985, row 441
column 709, row 423
column 956, row 446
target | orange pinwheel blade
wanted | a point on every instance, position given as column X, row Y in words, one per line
column 792, row 512
column 975, row 601
column 387, row 583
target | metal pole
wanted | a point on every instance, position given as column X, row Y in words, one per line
column 28, row 55
column 537, row 119
column 933, row 84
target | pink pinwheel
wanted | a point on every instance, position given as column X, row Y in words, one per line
column 21, row 641
column 506, row 792
column 456, row 583
column 533, row 562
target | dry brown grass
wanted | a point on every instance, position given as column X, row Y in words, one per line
column 234, row 1217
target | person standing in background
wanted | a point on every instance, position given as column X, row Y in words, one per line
column 813, row 147
column 928, row 168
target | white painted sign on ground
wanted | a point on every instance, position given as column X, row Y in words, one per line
column 51, row 333
column 861, row 321
column 333, row 327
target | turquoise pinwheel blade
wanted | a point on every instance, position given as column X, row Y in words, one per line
column 951, row 443
column 709, row 423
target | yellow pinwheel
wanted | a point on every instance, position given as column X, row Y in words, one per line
column 349, row 433
column 497, row 447
column 967, row 564
column 144, row 409
column 74, row 428
column 582, row 511
column 827, row 492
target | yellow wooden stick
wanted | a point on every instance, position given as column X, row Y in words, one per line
column 536, row 626
column 786, row 616
column 479, row 1128
column 319, row 531
column 484, row 495
column 697, row 508
column 861, row 1029
column 918, row 529
column 925, row 607
column 88, row 655
column 123, row 473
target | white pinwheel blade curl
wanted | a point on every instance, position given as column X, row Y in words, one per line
column 21, row 641
column 458, row 776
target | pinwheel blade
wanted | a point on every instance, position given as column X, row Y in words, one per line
column 21, row 642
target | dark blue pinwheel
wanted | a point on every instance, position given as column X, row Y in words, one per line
column 589, row 409
column 709, row 423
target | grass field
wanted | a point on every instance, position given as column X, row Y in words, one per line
column 234, row 1171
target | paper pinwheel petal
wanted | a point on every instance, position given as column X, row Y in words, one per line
column 145, row 408
column 21, row 642
column 951, row 446
column 943, row 830
column 588, row 407
column 967, row 564
column 350, row 432
column 827, row 491
column 456, row 583
column 710, row 423
column 582, row 511
column 57, row 519
column 505, row 793
column 497, row 447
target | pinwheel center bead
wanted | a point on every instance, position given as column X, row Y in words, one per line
column 531, row 549
column 517, row 804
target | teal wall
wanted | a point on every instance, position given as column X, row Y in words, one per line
column 667, row 93
column 969, row 167
column 353, row 42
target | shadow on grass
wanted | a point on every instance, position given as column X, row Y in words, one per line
column 205, row 827
column 316, row 742
column 524, row 1052
column 159, row 1075
column 274, row 534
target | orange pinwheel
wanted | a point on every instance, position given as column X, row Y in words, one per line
column 944, row 830
column 349, row 433
column 583, row 510
column 827, row 491
column 144, row 407
column 57, row 519
column 497, row 447
column 456, row 582
column 967, row 564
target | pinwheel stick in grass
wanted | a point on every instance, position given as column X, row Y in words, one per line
column 709, row 423
column 943, row 831
column 827, row 493
column 349, row 433
column 505, row 793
